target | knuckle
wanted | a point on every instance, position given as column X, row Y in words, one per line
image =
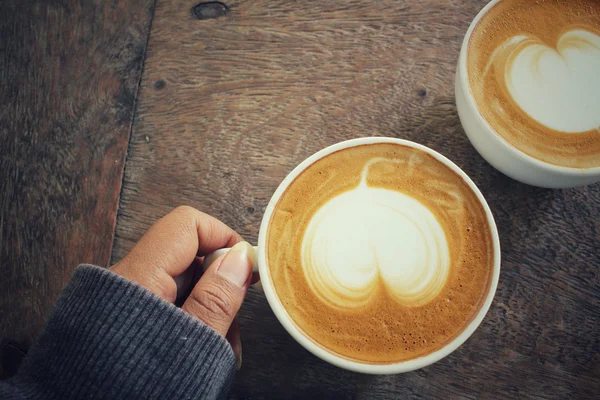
column 186, row 210
column 181, row 220
column 214, row 303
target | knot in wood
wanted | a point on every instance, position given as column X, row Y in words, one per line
column 210, row 10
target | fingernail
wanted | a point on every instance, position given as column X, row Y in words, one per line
column 237, row 264
column 238, row 359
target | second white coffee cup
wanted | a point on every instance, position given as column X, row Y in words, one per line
column 495, row 149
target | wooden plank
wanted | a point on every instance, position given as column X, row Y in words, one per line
column 229, row 105
column 69, row 78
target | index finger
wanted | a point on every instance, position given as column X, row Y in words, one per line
column 173, row 242
column 213, row 234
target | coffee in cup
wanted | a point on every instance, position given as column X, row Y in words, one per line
column 534, row 70
column 380, row 253
column 528, row 89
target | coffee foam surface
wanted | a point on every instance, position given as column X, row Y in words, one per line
column 380, row 253
column 402, row 245
column 533, row 70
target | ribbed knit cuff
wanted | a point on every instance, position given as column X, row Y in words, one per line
column 109, row 338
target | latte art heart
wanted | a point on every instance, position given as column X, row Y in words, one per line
column 559, row 88
column 369, row 238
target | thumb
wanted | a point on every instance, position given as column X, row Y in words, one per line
column 219, row 294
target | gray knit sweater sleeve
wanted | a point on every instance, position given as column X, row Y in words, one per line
column 108, row 338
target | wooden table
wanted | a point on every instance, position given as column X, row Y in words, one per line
column 231, row 98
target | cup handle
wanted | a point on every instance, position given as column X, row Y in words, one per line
column 211, row 257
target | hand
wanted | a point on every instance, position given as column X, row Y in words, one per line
column 175, row 246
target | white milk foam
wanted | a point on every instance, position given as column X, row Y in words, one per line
column 558, row 87
column 369, row 234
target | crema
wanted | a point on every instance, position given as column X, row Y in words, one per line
column 380, row 253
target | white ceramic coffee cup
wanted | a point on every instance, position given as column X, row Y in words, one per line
column 495, row 149
column 286, row 321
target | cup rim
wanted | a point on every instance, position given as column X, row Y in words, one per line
column 339, row 361
column 462, row 68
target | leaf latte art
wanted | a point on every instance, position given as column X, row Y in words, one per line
column 369, row 234
column 379, row 252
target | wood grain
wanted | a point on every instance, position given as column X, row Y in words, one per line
column 229, row 105
column 69, row 77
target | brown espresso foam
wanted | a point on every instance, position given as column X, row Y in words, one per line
column 543, row 22
column 383, row 330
